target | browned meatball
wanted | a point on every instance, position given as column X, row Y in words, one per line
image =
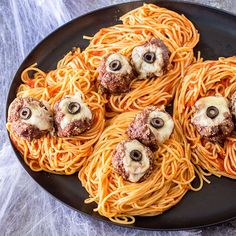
column 72, row 116
column 212, row 118
column 115, row 74
column 30, row 118
column 152, row 126
column 133, row 161
column 151, row 59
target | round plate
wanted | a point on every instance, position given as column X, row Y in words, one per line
column 215, row 203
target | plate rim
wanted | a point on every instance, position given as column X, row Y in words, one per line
column 42, row 41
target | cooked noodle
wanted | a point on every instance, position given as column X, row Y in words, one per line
column 52, row 153
column 205, row 79
column 139, row 25
column 91, row 151
column 120, row 200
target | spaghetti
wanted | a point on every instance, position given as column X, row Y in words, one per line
column 206, row 79
column 51, row 153
column 91, row 151
column 120, row 200
column 139, row 25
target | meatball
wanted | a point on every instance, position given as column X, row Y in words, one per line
column 150, row 59
column 30, row 117
column 212, row 118
column 72, row 116
column 133, row 161
column 115, row 74
column 152, row 126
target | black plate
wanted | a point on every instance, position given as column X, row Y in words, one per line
column 215, row 203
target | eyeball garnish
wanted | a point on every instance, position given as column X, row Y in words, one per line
column 133, row 161
column 72, row 116
column 136, row 155
column 212, row 118
column 115, row 65
column 152, row 126
column 157, row 122
column 29, row 118
column 212, row 112
column 25, row 113
column 115, row 74
column 151, row 59
column 74, row 108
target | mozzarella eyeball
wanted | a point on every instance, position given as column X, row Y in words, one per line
column 151, row 59
column 152, row 126
column 115, row 74
column 133, row 161
column 212, row 118
column 30, row 117
column 72, row 116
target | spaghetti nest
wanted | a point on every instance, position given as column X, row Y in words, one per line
column 206, row 79
column 120, row 200
column 51, row 153
column 140, row 25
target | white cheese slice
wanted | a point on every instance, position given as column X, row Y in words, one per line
column 163, row 133
column 40, row 117
column 126, row 68
column 144, row 68
column 136, row 169
column 201, row 118
column 85, row 112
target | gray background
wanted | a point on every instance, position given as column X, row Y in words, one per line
column 25, row 208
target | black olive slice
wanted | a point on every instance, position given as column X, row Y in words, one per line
column 149, row 57
column 115, row 65
column 74, row 108
column 25, row 113
column 157, row 122
column 136, row 155
column 212, row 112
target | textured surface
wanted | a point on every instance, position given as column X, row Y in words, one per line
column 25, row 208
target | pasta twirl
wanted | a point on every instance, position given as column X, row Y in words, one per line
column 120, row 200
column 206, row 79
column 139, row 25
column 51, row 153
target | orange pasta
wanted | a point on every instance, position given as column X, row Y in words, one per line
column 120, row 200
column 139, row 25
column 205, row 79
column 91, row 152
column 52, row 153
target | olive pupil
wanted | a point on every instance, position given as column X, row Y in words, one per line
column 74, row 107
column 25, row 113
column 136, row 155
column 149, row 57
column 157, row 122
column 212, row 112
column 115, row 65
